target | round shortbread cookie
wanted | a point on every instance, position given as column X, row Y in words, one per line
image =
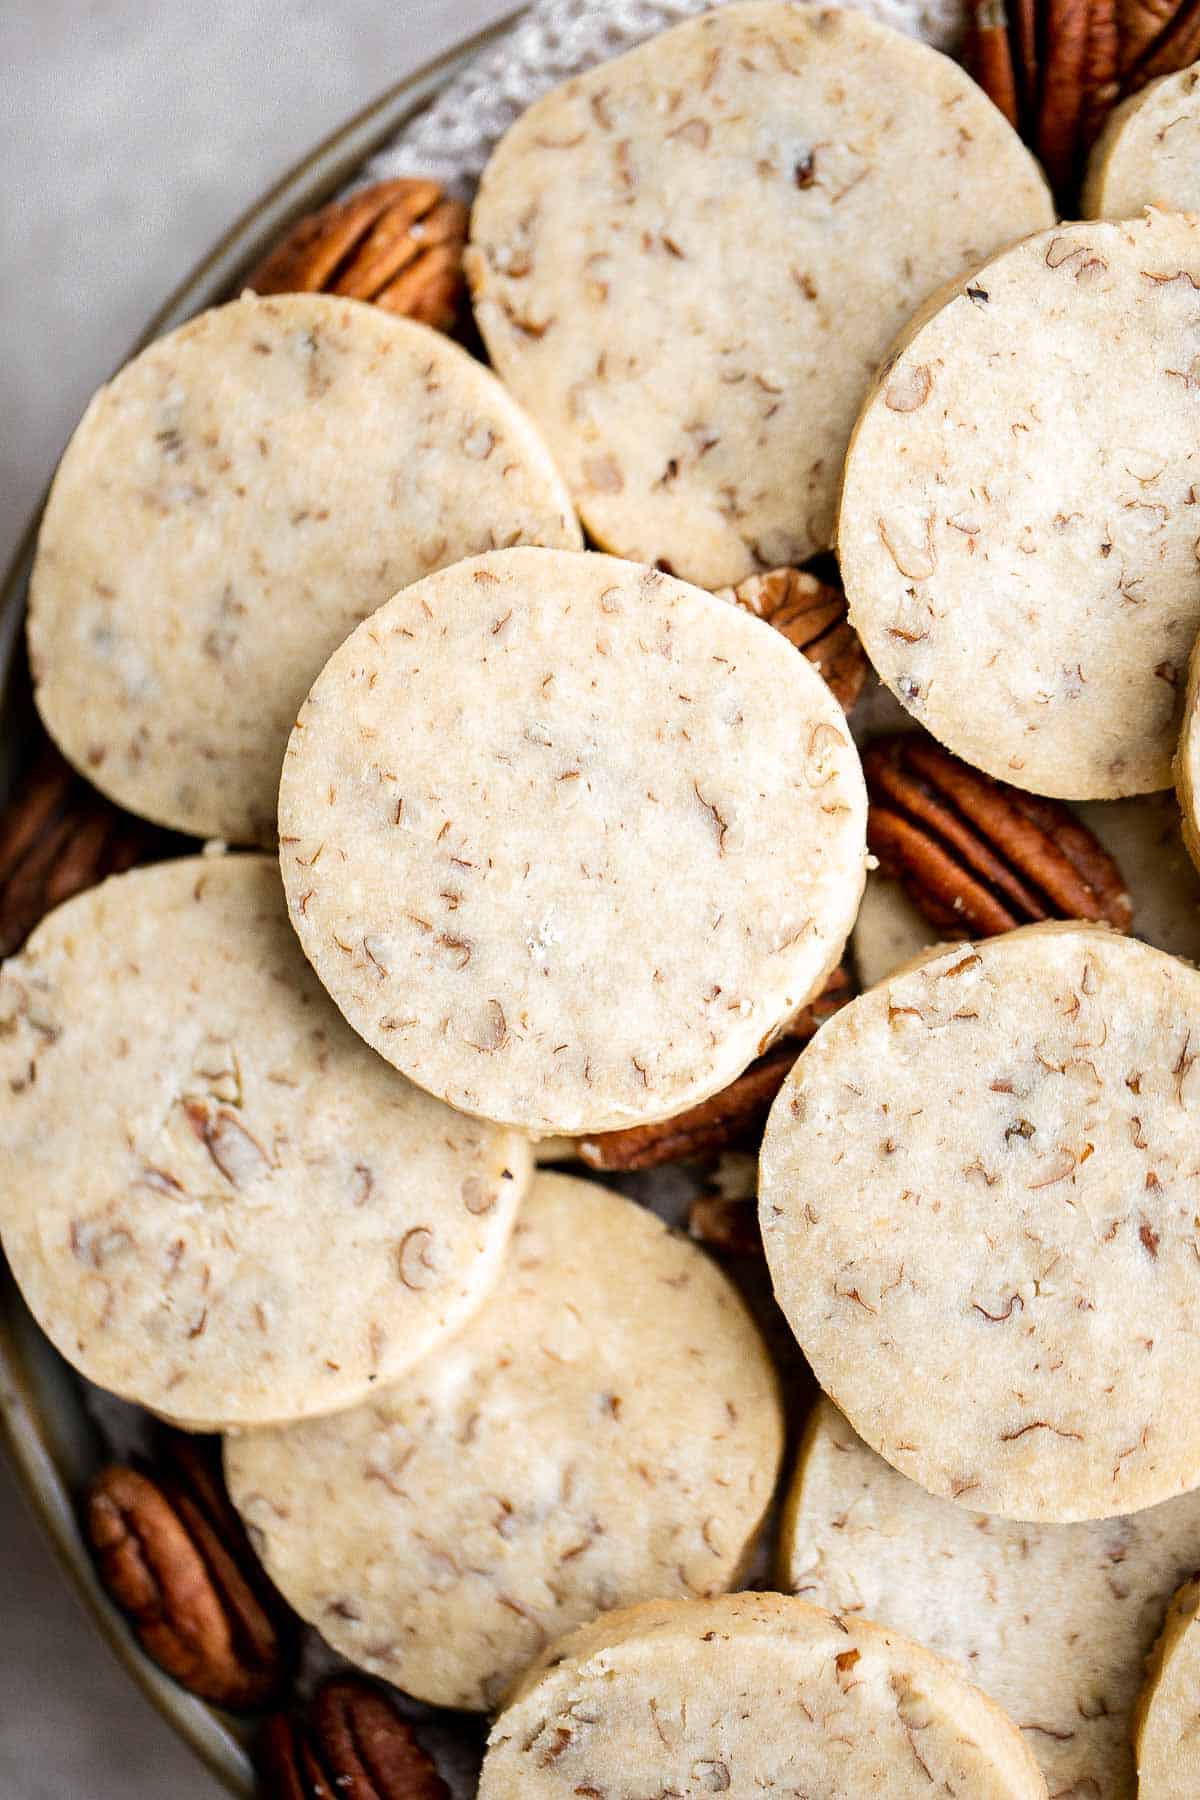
column 1053, row 1621
column 1016, row 533
column 746, row 1694
column 1167, row 1722
column 607, row 1429
column 232, row 504
column 567, row 840
column 688, row 261
column 1149, row 152
column 997, row 1273
column 217, row 1201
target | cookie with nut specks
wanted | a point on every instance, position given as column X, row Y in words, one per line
column 569, row 840
column 1053, row 1621
column 217, row 1202
column 232, row 504
column 607, row 1429
column 750, row 1694
column 1167, row 1722
column 688, row 261
column 997, row 1273
column 1149, row 151
column 1017, row 533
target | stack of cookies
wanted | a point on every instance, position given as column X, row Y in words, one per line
column 530, row 849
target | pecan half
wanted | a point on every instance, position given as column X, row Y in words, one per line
column 812, row 615
column 59, row 836
column 730, row 1117
column 1162, row 52
column 175, row 1559
column 1055, row 68
column 398, row 244
column 989, row 55
column 352, row 1745
column 977, row 856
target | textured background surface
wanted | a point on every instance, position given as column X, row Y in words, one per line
column 130, row 136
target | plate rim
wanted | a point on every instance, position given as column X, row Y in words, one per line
column 25, row 1432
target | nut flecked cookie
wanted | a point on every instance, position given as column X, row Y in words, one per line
column 1167, row 1723
column 997, row 1274
column 232, row 504
column 749, row 1694
column 687, row 261
column 217, row 1201
column 1053, row 1621
column 1149, row 151
column 607, row 1429
column 1016, row 532
column 569, row 840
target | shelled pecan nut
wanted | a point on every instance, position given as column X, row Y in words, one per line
column 59, row 836
column 991, row 58
column 730, row 1117
column 351, row 1745
column 398, row 244
column 812, row 615
column 189, row 1585
column 1055, row 68
column 977, row 856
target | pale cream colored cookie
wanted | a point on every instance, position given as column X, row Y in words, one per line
column 750, row 1694
column 997, row 1272
column 1149, row 151
column 232, row 504
column 1053, row 1621
column 688, row 261
column 1016, row 533
column 217, row 1202
column 567, row 839
column 607, row 1429
column 1167, row 1722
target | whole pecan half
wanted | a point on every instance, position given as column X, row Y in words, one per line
column 990, row 55
column 1055, row 68
column 812, row 615
column 174, row 1557
column 977, row 856
column 730, row 1117
column 59, row 836
column 398, row 244
column 351, row 1745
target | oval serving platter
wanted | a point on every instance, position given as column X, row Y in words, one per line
column 52, row 1441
